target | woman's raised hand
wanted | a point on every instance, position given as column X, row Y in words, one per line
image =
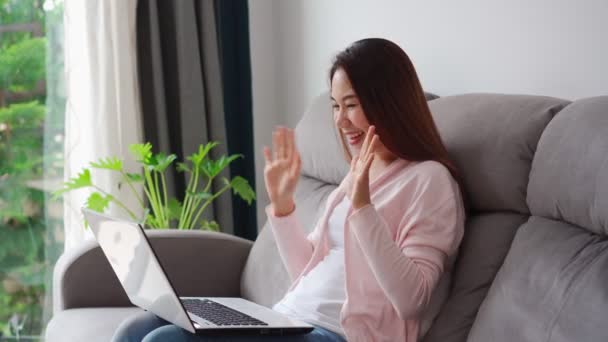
column 282, row 171
column 359, row 169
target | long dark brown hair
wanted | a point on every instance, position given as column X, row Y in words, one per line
column 391, row 96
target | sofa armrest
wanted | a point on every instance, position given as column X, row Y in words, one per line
column 198, row 263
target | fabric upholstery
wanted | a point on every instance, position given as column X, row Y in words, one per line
column 87, row 324
column 318, row 143
column 552, row 287
column 485, row 245
column 492, row 139
column 520, row 155
column 569, row 178
column 197, row 263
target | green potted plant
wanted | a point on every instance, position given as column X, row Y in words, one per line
column 163, row 211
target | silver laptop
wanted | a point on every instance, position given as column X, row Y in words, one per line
column 133, row 260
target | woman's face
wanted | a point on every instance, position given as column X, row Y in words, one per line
column 348, row 113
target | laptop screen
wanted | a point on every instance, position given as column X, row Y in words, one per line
column 137, row 268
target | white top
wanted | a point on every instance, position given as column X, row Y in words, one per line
column 320, row 294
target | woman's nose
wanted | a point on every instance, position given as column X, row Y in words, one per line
column 341, row 118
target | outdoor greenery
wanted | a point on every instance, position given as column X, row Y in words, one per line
column 162, row 211
column 24, row 117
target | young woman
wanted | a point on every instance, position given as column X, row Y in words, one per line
column 369, row 267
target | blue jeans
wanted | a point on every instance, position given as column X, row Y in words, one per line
column 148, row 327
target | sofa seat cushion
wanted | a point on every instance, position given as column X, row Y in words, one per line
column 87, row 324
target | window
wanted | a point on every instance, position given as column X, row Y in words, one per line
column 32, row 105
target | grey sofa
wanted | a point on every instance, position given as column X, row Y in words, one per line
column 533, row 265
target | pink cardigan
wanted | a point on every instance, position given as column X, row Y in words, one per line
column 395, row 249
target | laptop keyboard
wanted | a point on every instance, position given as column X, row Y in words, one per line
column 219, row 314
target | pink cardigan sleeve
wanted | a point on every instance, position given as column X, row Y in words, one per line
column 409, row 269
column 294, row 246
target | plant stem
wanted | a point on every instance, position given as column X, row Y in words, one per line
column 161, row 213
column 194, row 203
column 164, row 183
column 187, row 198
column 149, row 196
column 198, row 201
column 139, row 199
column 200, row 211
column 119, row 203
column 150, row 193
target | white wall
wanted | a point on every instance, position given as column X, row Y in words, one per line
column 263, row 32
column 546, row 47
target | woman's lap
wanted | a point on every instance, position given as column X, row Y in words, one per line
column 148, row 327
column 136, row 327
column 175, row 333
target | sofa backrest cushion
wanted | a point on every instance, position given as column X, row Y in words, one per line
column 552, row 285
column 569, row 178
column 317, row 140
column 492, row 139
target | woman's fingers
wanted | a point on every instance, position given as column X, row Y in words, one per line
column 282, row 137
column 284, row 149
column 368, row 147
column 289, row 144
column 296, row 165
column 275, row 144
column 281, row 143
column 353, row 164
column 368, row 164
column 372, row 146
column 368, row 139
column 267, row 155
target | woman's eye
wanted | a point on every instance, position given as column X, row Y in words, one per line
column 334, row 107
column 352, row 105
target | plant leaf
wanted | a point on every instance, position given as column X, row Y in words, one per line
column 183, row 167
column 141, row 152
column 152, row 221
column 174, row 207
column 212, row 226
column 98, row 202
column 200, row 195
column 162, row 161
column 223, row 162
column 111, row 163
column 135, row 177
column 207, row 167
column 241, row 187
column 151, row 162
column 212, row 168
column 82, row 180
column 198, row 157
